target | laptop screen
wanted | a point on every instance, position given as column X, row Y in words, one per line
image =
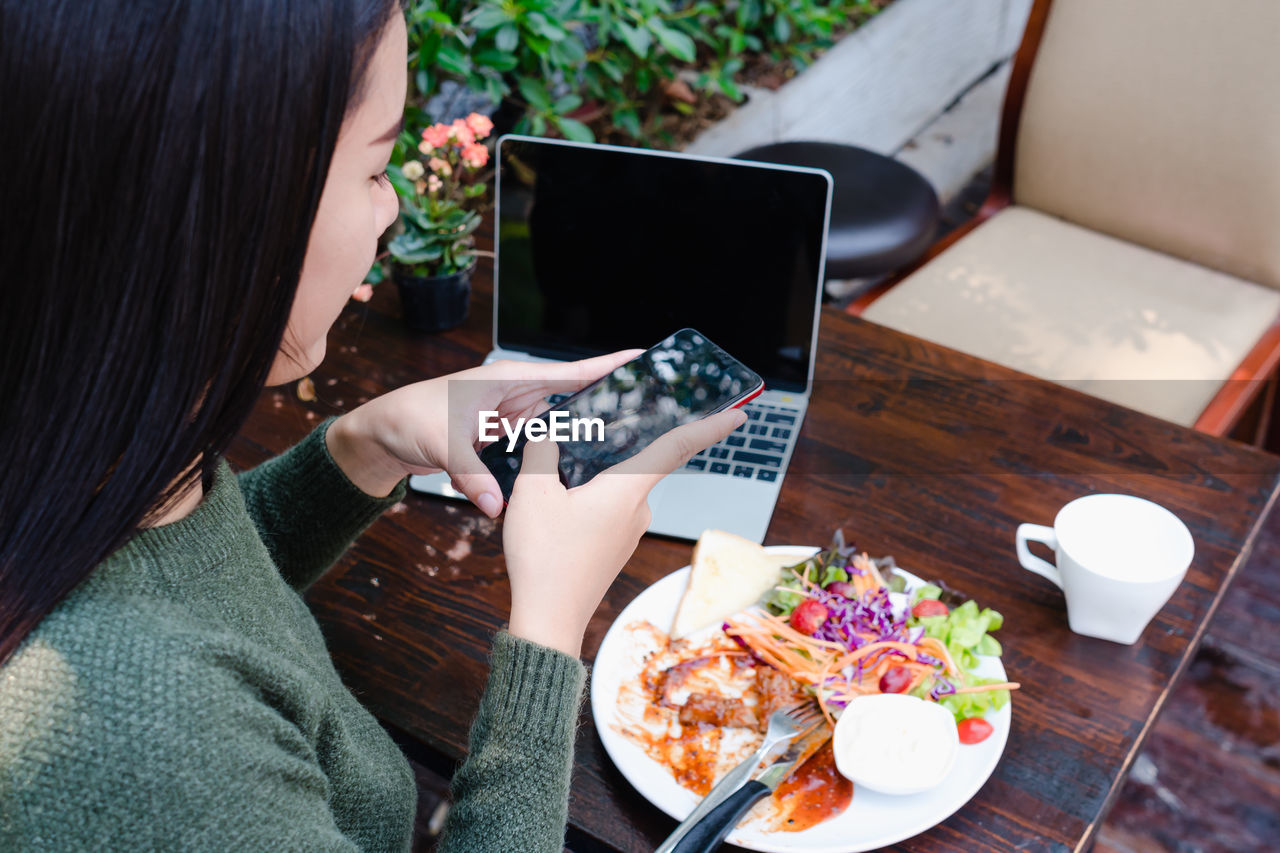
column 603, row 248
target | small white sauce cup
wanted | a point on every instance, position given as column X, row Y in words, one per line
column 895, row 744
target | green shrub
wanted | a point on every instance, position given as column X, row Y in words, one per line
column 554, row 57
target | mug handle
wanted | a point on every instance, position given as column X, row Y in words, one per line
column 1038, row 533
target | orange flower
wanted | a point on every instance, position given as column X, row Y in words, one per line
column 363, row 293
column 433, row 183
column 462, row 133
column 436, row 135
column 479, row 124
column 440, row 167
column 475, row 155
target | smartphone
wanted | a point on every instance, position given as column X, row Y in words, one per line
column 682, row 379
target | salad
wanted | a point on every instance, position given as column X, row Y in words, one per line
column 843, row 625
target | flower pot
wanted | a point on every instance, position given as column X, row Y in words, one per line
column 434, row 303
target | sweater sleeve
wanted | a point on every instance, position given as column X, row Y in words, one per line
column 512, row 792
column 306, row 510
column 187, row 756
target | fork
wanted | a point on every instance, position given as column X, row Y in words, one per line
column 784, row 724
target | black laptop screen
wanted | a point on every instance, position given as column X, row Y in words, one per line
column 603, row 248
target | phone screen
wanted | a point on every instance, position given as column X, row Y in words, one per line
column 684, row 378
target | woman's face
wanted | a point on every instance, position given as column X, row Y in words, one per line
column 357, row 205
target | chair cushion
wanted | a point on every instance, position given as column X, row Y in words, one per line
column 883, row 212
column 1052, row 299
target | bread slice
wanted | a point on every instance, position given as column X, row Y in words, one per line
column 728, row 574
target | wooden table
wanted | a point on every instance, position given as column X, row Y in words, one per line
column 915, row 451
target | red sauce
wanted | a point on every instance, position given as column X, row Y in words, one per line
column 694, row 761
column 813, row 793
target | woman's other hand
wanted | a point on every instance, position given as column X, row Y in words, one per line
column 434, row 425
column 564, row 547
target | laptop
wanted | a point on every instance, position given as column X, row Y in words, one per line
column 600, row 248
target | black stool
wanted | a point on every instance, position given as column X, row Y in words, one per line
column 883, row 213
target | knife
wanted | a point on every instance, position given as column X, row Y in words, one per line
column 732, row 781
column 707, row 834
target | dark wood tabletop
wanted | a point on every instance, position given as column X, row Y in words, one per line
column 913, row 450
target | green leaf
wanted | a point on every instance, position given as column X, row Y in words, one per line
column 677, row 44
column 833, row 573
column 403, row 186
column 637, row 39
column 537, row 44
column 431, row 48
column 376, row 274
column 453, row 60
column 488, row 17
column 644, row 80
column 508, row 38
column 413, row 249
column 988, row 645
column 927, row 591
column 453, row 219
column 538, row 23
column 567, row 53
column 629, row 121
column 535, row 93
column 496, row 89
column 499, row 60
column 422, row 79
column 567, row 104
column 781, row 28
column 575, row 130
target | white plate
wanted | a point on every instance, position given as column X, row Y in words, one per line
column 872, row 820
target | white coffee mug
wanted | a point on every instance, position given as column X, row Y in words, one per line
column 1119, row 559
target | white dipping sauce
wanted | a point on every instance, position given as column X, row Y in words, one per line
column 894, row 743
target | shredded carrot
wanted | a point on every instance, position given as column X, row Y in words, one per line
column 827, row 667
column 979, row 688
column 938, row 649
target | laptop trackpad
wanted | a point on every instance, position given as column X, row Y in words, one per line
column 686, row 503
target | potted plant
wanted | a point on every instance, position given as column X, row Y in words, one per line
column 441, row 201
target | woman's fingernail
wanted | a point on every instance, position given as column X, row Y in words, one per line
column 488, row 504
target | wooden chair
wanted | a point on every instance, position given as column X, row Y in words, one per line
column 1130, row 245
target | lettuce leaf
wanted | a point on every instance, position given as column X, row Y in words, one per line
column 965, row 633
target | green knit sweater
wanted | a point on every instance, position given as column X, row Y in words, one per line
column 181, row 698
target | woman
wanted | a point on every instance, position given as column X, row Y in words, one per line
column 191, row 191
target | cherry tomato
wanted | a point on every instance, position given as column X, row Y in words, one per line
column 896, row 679
column 808, row 616
column 844, row 588
column 973, row 730
column 929, row 607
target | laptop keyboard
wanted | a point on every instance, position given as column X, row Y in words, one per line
column 753, row 451
column 756, row 449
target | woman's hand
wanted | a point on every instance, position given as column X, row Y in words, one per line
column 434, row 425
column 564, row 547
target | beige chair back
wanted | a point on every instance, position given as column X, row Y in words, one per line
column 1158, row 122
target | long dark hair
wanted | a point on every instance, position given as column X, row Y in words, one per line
column 162, row 165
